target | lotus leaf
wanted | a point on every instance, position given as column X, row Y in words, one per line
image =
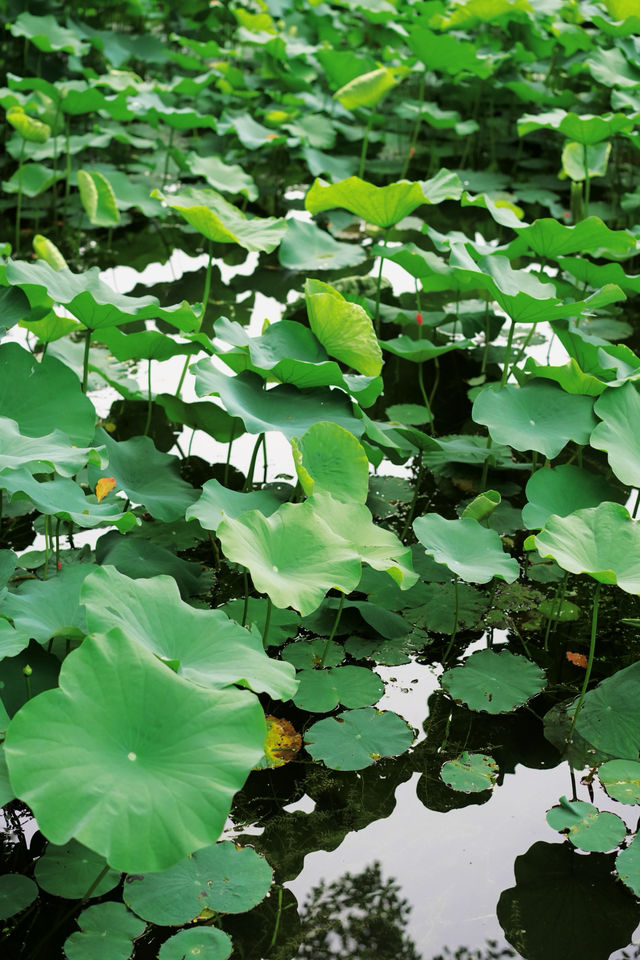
column 218, row 502
column 293, row 555
column 47, row 34
column 219, row 220
column 41, row 609
column 107, row 932
column 602, row 541
column 181, row 750
column 70, row 870
column 205, row 416
column 330, row 459
column 137, row 557
column 550, row 239
column 621, row 780
column 207, row 943
column 628, row 865
column 587, row 827
column 344, row 329
column 320, row 691
column 230, row 178
column 283, row 624
column 538, row 416
column 610, row 714
column 6, row 790
column 494, row 682
column 16, row 893
column 585, row 129
column 418, row 351
column 579, row 167
column 210, row 649
column 619, row 411
column 561, row 490
column 357, row 738
column 222, row 878
column 53, row 452
column 307, row 654
column 471, row 551
column 98, row 198
column 307, row 248
column 470, row 772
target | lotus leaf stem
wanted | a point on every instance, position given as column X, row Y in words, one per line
column 245, row 607
column 333, row 632
column 19, row 204
column 414, row 135
column 252, row 465
column 592, row 650
column 507, row 355
column 277, row 923
column 267, row 621
column 456, row 595
column 85, row 360
column 365, row 144
column 149, row 401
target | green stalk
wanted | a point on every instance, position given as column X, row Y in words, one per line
column 228, row 460
column 587, row 179
column 414, row 501
column 207, row 282
column 47, row 545
column 183, row 374
column 436, row 381
column 19, row 207
column 149, row 401
column 485, row 467
column 416, row 131
column 245, row 608
column 277, row 923
column 85, row 360
column 365, row 144
column 507, row 355
column 556, row 607
column 455, row 626
column 248, row 483
column 376, row 316
column 166, row 157
column 333, row 632
column 592, row 650
column 267, row 621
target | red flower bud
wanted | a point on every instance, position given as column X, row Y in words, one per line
column 419, row 319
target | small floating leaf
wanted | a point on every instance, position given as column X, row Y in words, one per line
column 68, row 871
column 621, row 780
column 587, row 827
column 16, row 893
column 357, row 738
column 205, row 943
column 470, row 772
column 107, row 931
column 283, row 742
column 628, row 865
column 494, row 682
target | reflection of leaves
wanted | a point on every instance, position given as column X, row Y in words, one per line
column 252, row 933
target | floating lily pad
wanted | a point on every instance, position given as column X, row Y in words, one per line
column 70, row 870
column 621, row 780
column 470, row 772
column 282, row 744
column 628, row 865
column 471, row 551
column 221, row 878
column 587, row 827
column 357, row 738
column 16, row 893
column 205, row 943
column 320, row 691
column 107, row 932
column 610, row 715
column 494, row 682
column 307, row 654
column 158, row 737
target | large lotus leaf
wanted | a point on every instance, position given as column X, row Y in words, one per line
column 367, row 89
column 32, row 180
column 218, row 502
column 70, row 870
column 562, row 490
column 205, row 646
column 65, row 499
column 619, row 411
column 447, row 53
column 150, row 344
column 357, row 738
column 43, row 396
column 328, row 458
column 566, row 906
column 621, row 780
column 7, row 792
column 221, row 878
column 344, row 329
column 92, row 300
column 204, row 415
column 584, row 128
column 384, row 206
column 107, row 931
column 568, row 375
column 138, row 557
column 47, row 35
column 494, row 682
column 54, row 452
column 550, row 239
column 628, row 865
column 308, row 248
column 230, row 178
column 16, row 893
column 206, row 943
column 219, row 220
column 470, row 772
column 471, row 551
column 283, row 407
column 597, row 275
column 538, row 416
column 602, row 541
column 587, row 827
column 146, row 475
column 610, row 715
column 321, row 691
column 123, row 725
column 293, row 555
column 418, row 351
column 42, row 609
column 375, row 545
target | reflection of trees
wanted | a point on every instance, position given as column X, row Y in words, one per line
column 493, row 952
column 358, row 917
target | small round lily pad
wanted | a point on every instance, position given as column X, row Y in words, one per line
column 621, row 780
column 199, row 943
column 470, row 772
column 494, row 682
column 69, row 871
column 16, row 893
column 587, row 827
column 357, row 738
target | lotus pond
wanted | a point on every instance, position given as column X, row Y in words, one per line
column 319, row 467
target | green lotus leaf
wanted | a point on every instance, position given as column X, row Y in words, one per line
column 598, row 274
column 482, row 506
column 53, row 400
column 307, row 654
column 619, row 411
column 587, row 827
column 470, row 772
column 344, row 329
column 328, row 458
column 218, row 502
column 227, row 177
column 250, row 133
column 70, row 870
column 47, row 34
column 610, row 715
column 64, row 498
column 307, row 248
column 283, row 624
column 42, row 609
column 418, row 351
column 357, row 738
column 107, row 931
column 92, row 300
column 29, row 128
column 437, row 609
column 78, row 754
column 138, row 557
column 14, row 307
column 46, row 454
column 568, row 375
column 602, row 541
column 7, row 792
column 146, row 475
column 211, row 650
column 538, row 416
column 220, row 221
column 578, row 167
column 320, row 691
column 628, row 865
column 621, row 780
column 98, row 198
column 562, row 490
column 46, row 250
column 448, row 54
column 293, row 555
column 222, row 878
column 367, row 89
column 413, row 414
column 32, row 179
column 383, row 206
column 494, row 682
column 150, row 344
column 16, row 893
column 550, row 239
column 283, row 407
column 471, row 551
column 206, row 943
column 584, row 128
column 203, row 415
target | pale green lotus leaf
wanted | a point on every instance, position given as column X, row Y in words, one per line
column 472, row 552
column 320, row 691
column 330, row 459
column 470, row 772
column 617, row 434
column 561, row 490
column 621, row 780
column 587, row 827
column 98, row 198
column 494, row 682
column 344, row 329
